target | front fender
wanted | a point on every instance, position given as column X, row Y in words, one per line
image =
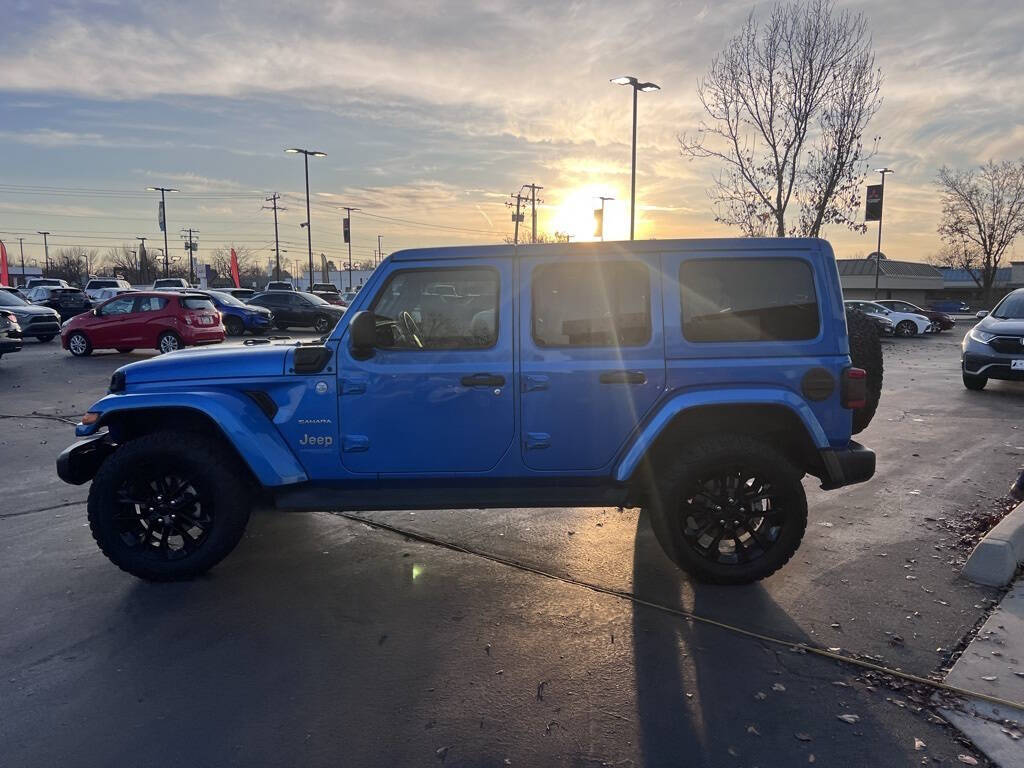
column 239, row 419
column 741, row 396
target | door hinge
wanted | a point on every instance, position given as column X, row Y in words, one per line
column 534, row 382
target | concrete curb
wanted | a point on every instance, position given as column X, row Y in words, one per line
column 994, row 561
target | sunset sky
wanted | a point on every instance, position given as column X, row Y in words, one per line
column 431, row 117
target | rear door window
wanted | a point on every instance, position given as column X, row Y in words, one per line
column 151, row 304
column 748, row 300
column 604, row 304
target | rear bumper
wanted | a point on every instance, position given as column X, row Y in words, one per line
column 853, row 464
column 194, row 336
column 79, row 462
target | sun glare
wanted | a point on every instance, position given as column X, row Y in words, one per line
column 574, row 215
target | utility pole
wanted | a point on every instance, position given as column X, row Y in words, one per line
column 347, row 230
column 21, row 247
column 46, row 251
column 603, row 200
column 878, row 251
column 163, row 220
column 533, row 207
column 142, row 259
column 277, row 245
column 517, row 217
column 380, row 249
column 191, row 247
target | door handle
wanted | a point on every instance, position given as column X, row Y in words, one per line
column 623, row 377
column 483, row 380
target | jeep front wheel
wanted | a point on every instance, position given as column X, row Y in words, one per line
column 729, row 510
column 168, row 506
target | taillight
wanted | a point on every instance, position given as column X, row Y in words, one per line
column 855, row 388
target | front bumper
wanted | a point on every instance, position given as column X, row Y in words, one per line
column 9, row 344
column 79, row 462
column 847, row 466
column 980, row 359
column 258, row 322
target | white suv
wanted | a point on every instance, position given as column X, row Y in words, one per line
column 97, row 284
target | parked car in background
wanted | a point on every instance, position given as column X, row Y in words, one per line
column 96, row 284
column 994, row 348
column 170, row 284
column 36, row 322
column 102, row 294
column 242, row 294
column 940, row 320
column 950, row 305
column 347, row 297
column 237, row 316
column 12, row 289
column 904, row 323
column 144, row 319
column 329, row 292
column 875, row 315
column 298, row 309
column 35, row 282
column 10, row 333
column 279, row 285
column 67, row 301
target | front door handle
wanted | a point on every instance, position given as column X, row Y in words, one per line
column 483, row 380
column 623, row 377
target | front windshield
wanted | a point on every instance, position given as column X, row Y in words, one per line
column 226, row 298
column 8, row 299
column 1010, row 308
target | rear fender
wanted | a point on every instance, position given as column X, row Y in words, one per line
column 745, row 396
column 235, row 415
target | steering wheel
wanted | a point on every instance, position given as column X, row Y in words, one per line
column 409, row 328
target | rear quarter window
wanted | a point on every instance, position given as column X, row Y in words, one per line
column 727, row 300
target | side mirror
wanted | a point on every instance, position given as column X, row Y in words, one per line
column 981, row 314
column 362, row 334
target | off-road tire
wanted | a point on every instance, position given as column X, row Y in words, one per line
column 710, row 455
column 217, row 476
column 233, row 326
column 974, row 383
column 866, row 353
column 84, row 348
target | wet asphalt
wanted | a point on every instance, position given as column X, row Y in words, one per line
column 326, row 641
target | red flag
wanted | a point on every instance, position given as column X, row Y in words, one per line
column 234, row 268
column 4, row 277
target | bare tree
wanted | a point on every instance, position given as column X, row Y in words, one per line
column 787, row 105
column 72, row 264
column 982, row 214
column 124, row 262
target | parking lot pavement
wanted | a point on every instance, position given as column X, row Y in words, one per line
column 322, row 640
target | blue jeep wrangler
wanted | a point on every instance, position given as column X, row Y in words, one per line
column 698, row 379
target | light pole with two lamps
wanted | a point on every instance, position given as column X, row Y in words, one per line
column 637, row 86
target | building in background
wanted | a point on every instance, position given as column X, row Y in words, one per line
column 922, row 284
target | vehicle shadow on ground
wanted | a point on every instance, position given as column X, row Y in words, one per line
column 710, row 697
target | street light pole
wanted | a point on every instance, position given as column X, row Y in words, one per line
column 637, row 86
column 46, row 251
column 21, row 247
column 348, row 215
column 163, row 222
column 603, row 199
column 878, row 250
column 380, row 248
column 309, row 229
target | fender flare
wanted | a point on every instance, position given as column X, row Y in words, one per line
column 263, row 449
column 696, row 399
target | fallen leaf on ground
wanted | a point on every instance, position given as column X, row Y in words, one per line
column 919, row 745
column 803, row 736
column 848, row 718
column 778, row 687
column 966, row 759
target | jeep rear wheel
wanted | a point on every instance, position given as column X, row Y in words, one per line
column 729, row 510
column 168, row 506
column 866, row 353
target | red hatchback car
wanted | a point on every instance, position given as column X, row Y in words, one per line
column 145, row 319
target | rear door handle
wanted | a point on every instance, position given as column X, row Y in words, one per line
column 623, row 377
column 483, row 380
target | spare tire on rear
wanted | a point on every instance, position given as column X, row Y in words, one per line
column 866, row 353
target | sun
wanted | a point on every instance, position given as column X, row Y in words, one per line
column 574, row 214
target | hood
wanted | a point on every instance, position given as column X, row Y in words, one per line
column 31, row 310
column 210, row 363
column 1011, row 326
